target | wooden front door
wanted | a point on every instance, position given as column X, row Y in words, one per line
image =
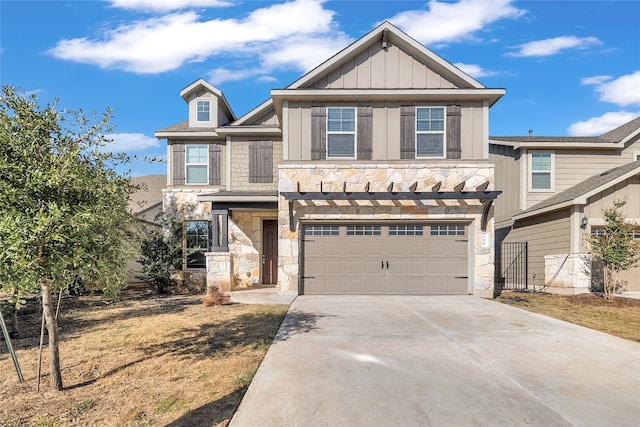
column 269, row 252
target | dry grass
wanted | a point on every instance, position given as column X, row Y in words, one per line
column 620, row 317
column 143, row 362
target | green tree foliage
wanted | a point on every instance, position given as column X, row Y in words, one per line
column 615, row 247
column 63, row 206
column 162, row 249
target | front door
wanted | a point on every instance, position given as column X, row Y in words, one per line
column 269, row 252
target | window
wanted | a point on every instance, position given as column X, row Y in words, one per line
column 541, row 167
column 197, row 164
column 321, row 230
column 430, row 132
column 203, row 111
column 406, row 230
column 364, row 230
column 196, row 237
column 341, row 132
column 447, row 230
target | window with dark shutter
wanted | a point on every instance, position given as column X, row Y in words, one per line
column 177, row 170
column 407, row 132
column 318, row 133
column 260, row 161
column 365, row 133
column 454, row 147
column 215, row 164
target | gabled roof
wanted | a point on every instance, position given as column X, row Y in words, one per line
column 201, row 84
column 579, row 193
column 614, row 138
column 400, row 38
column 150, row 193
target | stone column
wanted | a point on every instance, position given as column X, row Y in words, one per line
column 219, row 270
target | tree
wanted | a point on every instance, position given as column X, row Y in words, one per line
column 615, row 247
column 162, row 249
column 63, row 206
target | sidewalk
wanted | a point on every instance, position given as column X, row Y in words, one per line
column 262, row 295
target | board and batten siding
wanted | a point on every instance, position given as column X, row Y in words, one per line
column 507, row 179
column 548, row 234
column 377, row 68
column 386, row 126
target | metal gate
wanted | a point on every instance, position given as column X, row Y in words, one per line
column 512, row 266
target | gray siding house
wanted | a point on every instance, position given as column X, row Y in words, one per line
column 368, row 175
column 554, row 190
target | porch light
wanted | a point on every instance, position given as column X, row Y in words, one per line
column 584, row 222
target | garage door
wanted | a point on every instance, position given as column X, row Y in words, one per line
column 392, row 259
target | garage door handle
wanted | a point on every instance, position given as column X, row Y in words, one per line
column 387, row 265
column 382, row 265
column 461, row 277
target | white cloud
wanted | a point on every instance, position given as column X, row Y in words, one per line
column 220, row 75
column 295, row 52
column 167, row 5
column 595, row 80
column 164, row 43
column 447, row 22
column 474, row 70
column 624, row 90
column 598, row 125
column 128, row 142
column 554, row 46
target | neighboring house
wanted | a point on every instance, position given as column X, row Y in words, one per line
column 554, row 191
column 146, row 204
column 368, row 175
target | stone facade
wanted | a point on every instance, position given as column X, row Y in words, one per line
column 568, row 274
column 379, row 176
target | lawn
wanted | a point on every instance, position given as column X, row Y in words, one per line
column 148, row 361
column 620, row 317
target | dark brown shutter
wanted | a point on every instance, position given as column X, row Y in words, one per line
column 407, row 132
column 214, row 164
column 454, row 148
column 178, row 164
column 318, row 133
column 365, row 132
column 260, row 161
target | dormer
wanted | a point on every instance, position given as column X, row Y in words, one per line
column 208, row 108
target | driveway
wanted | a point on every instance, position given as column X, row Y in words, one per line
column 438, row 361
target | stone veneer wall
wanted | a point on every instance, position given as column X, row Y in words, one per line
column 403, row 175
column 567, row 274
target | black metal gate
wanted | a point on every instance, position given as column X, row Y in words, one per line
column 512, row 267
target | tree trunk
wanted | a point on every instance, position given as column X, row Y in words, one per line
column 55, row 374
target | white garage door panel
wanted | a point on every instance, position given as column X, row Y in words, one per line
column 384, row 260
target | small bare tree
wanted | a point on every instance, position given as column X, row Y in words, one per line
column 615, row 247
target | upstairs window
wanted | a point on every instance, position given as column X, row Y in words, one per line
column 197, row 164
column 341, row 132
column 430, row 132
column 203, row 111
column 541, row 171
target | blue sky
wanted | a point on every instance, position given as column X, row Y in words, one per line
column 568, row 67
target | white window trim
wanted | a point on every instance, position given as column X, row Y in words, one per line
column 443, row 133
column 552, row 178
column 636, row 155
column 354, row 133
column 186, row 164
column 208, row 101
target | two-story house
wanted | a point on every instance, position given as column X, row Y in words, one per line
column 554, row 192
column 368, row 175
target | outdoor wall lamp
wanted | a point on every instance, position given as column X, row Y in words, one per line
column 584, row 222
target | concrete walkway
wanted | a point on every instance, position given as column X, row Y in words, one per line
column 439, row 361
column 262, row 295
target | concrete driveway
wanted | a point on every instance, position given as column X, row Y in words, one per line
column 439, row 361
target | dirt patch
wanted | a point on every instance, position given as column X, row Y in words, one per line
column 620, row 316
column 145, row 361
